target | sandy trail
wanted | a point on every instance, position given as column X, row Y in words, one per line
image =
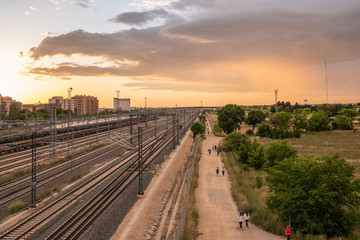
column 217, row 210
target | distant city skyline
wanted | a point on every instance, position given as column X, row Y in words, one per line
column 181, row 52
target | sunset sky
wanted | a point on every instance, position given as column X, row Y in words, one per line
column 181, row 52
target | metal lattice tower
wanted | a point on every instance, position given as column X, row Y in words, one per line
column 33, row 170
column 53, row 137
column 155, row 126
column 140, row 154
column 97, row 128
column 131, row 129
column 69, row 105
column 174, row 133
column 177, row 130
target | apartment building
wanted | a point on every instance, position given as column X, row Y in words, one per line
column 63, row 103
column 8, row 100
column 85, row 104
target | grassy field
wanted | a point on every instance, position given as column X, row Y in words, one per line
column 344, row 143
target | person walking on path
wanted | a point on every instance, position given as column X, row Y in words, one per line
column 223, row 171
column 288, row 232
column 241, row 220
column 217, row 171
column 246, row 217
column 209, row 151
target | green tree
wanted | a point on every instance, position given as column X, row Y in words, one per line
column 277, row 151
column 202, row 118
column 256, row 155
column 230, row 117
column 281, row 120
column 255, row 117
column 197, row 128
column 3, row 109
column 264, row 130
column 350, row 113
column 319, row 195
column 234, row 140
column 300, row 118
column 319, row 121
column 342, row 122
column 14, row 111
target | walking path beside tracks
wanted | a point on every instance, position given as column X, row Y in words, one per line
column 218, row 213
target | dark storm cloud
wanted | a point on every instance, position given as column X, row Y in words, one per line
column 139, row 18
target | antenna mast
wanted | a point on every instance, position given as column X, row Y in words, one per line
column 276, row 107
column 327, row 94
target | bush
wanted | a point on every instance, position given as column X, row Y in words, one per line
column 319, row 121
column 16, row 206
column 256, row 156
column 217, row 128
column 264, row 130
column 258, row 182
column 249, row 132
column 342, row 122
column 277, row 151
column 195, row 216
column 246, row 167
column 234, row 140
column 197, row 128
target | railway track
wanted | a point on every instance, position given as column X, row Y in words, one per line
column 23, row 159
column 39, row 218
column 20, row 187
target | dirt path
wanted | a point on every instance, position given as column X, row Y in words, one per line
column 217, row 211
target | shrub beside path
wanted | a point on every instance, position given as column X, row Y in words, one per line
column 217, row 210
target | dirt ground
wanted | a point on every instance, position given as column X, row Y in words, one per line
column 218, row 213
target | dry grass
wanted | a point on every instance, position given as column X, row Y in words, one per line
column 345, row 143
column 250, row 198
column 190, row 231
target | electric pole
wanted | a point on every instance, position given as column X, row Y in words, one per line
column 327, row 95
column 276, row 91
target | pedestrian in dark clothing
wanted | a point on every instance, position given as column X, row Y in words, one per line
column 288, row 232
column 223, row 171
column 217, row 171
column 209, row 151
column 218, row 152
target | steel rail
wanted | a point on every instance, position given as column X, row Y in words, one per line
column 53, row 209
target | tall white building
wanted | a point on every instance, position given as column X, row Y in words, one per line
column 122, row 104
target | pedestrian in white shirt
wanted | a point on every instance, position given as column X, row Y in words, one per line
column 246, row 217
column 241, row 220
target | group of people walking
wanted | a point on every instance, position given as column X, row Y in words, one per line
column 217, row 171
column 243, row 218
column 246, row 218
column 214, row 148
